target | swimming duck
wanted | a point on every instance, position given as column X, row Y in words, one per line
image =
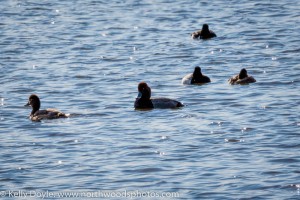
column 38, row 115
column 145, row 101
column 195, row 78
column 205, row 33
column 241, row 78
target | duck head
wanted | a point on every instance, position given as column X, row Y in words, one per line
column 143, row 100
column 197, row 72
column 243, row 73
column 34, row 102
column 205, row 28
column 144, row 91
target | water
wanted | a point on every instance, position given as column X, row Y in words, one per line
column 87, row 58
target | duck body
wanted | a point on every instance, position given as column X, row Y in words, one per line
column 38, row 115
column 235, row 80
column 49, row 113
column 204, row 33
column 144, row 100
column 187, row 79
column 159, row 102
column 195, row 78
column 241, row 78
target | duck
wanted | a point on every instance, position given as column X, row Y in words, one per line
column 144, row 100
column 195, row 78
column 38, row 115
column 204, row 33
column 241, row 78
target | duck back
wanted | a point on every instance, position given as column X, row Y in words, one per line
column 235, row 80
column 162, row 102
column 49, row 113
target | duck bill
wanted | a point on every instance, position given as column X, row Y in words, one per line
column 27, row 104
column 139, row 95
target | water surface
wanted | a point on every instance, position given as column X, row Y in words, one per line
column 87, row 58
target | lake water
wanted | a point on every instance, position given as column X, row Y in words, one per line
column 87, row 58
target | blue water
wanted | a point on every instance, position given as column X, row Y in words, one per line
column 87, row 58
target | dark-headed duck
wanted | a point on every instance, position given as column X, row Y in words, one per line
column 195, row 78
column 241, row 78
column 144, row 100
column 205, row 33
column 38, row 115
